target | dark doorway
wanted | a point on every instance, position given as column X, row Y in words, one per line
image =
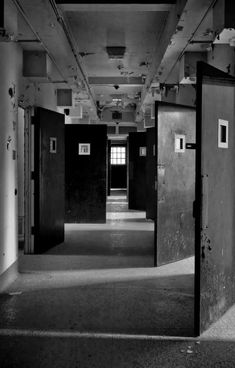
column 118, row 166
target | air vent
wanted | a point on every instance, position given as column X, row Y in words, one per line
column 116, row 115
column 116, row 52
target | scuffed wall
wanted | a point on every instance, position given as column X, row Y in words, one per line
column 10, row 69
column 37, row 94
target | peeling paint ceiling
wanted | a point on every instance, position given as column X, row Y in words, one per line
column 148, row 41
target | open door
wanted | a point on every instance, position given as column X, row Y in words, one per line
column 175, row 161
column 48, row 179
column 215, row 196
column 85, row 173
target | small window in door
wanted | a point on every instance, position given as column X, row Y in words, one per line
column 179, row 143
column 222, row 133
column 118, row 155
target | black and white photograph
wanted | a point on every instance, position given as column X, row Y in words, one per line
column 117, row 184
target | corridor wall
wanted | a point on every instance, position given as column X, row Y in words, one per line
column 85, row 173
column 10, row 67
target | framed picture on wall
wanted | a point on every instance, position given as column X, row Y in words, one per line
column 84, row 149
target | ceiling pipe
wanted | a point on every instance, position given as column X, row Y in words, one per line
column 190, row 39
column 38, row 39
column 61, row 20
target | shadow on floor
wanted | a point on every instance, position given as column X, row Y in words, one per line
column 153, row 306
column 72, row 352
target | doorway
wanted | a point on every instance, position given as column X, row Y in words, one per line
column 118, row 168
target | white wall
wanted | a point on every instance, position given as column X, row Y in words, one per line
column 10, row 70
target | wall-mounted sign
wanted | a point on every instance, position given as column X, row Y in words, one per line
column 179, row 143
column 222, row 133
column 53, row 145
column 142, row 151
column 84, row 149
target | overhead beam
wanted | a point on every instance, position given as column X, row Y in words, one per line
column 133, row 7
column 131, row 81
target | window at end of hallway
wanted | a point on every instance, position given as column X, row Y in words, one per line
column 118, row 155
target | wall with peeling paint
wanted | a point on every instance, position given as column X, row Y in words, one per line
column 220, row 56
column 10, row 70
column 37, row 94
column 13, row 88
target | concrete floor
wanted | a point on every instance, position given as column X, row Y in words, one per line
column 109, row 318
column 60, row 313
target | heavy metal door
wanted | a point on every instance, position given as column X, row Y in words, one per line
column 215, row 196
column 85, row 173
column 175, row 154
column 49, row 179
column 137, row 171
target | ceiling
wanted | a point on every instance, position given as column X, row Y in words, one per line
column 152, row 38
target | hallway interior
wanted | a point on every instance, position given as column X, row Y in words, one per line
column 125, row 240
column 130, row 317
column 97, row 301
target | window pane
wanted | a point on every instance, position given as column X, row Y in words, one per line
column 118, row 155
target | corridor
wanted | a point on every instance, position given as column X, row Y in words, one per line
column 101, row 282
column 125, row 240
column 104, row 306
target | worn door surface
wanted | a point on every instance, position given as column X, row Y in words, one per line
column 85, row 173
column 150, row 175
column 174, row 224
column 49, row 179
column 137, row 171
column 215, row 196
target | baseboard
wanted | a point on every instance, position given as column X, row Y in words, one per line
column 8, row 276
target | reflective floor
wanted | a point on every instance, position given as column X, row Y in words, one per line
column 125, row 240
column 97, row 301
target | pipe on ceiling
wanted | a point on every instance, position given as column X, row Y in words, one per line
column 38, row 39
column 61, row 20
column 190, row 39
